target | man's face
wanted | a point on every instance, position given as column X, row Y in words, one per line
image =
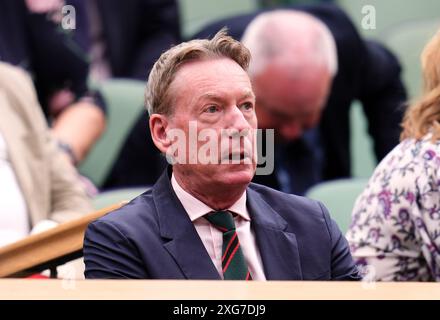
column 290, row 105
column 215, row 95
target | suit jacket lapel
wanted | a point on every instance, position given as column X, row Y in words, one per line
column 278, row 247
column 184, row 243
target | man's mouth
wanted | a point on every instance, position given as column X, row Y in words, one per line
column 237, row 156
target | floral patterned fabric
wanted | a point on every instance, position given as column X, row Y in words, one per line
column 395, row 227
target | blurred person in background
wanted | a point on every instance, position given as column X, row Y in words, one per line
column 309, row 64
column 39, row 187
column 32, row 36
column 395, row 226
column 128, row 36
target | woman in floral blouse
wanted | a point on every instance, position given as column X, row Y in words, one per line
column 395, row 227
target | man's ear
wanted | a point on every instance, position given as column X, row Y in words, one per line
column 158, row 130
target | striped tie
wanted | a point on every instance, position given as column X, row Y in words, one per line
column 233, row 262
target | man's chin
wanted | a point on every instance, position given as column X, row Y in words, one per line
column 236, row 174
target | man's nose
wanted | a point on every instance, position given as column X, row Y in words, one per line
column 237, row 120
column 291, row 131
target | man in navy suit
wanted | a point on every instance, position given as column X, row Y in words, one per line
column 204, row 219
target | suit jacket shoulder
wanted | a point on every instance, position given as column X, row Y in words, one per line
column 322, row 249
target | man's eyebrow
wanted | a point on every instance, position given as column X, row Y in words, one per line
column 210, row 96
column 248, row 94
column 215, row 96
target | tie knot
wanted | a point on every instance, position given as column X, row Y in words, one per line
column 222, row 220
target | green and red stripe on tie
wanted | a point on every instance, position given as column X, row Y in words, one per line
column 234, row 264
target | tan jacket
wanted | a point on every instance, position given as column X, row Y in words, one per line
column 48, row 181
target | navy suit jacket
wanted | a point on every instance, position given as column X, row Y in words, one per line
column 153, row 237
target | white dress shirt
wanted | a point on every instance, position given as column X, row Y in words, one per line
column 212, row 238
column 14, row 220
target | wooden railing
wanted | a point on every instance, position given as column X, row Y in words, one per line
column 204, row 290
column 48, row 249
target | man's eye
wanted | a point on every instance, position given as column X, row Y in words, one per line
column 247, row 106
column 211, row 109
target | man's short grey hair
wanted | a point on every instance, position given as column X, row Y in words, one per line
column 264, row 38
column 158, row 99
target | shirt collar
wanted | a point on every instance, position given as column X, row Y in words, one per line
column 197, row 209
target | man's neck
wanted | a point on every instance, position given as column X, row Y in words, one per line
column 216, row 197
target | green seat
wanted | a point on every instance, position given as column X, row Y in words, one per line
column 195, row 13
column 407, row 41
column 363, row 160
column 339, row 197
column 109, row 198
column 125, row 100
column 389, row 13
